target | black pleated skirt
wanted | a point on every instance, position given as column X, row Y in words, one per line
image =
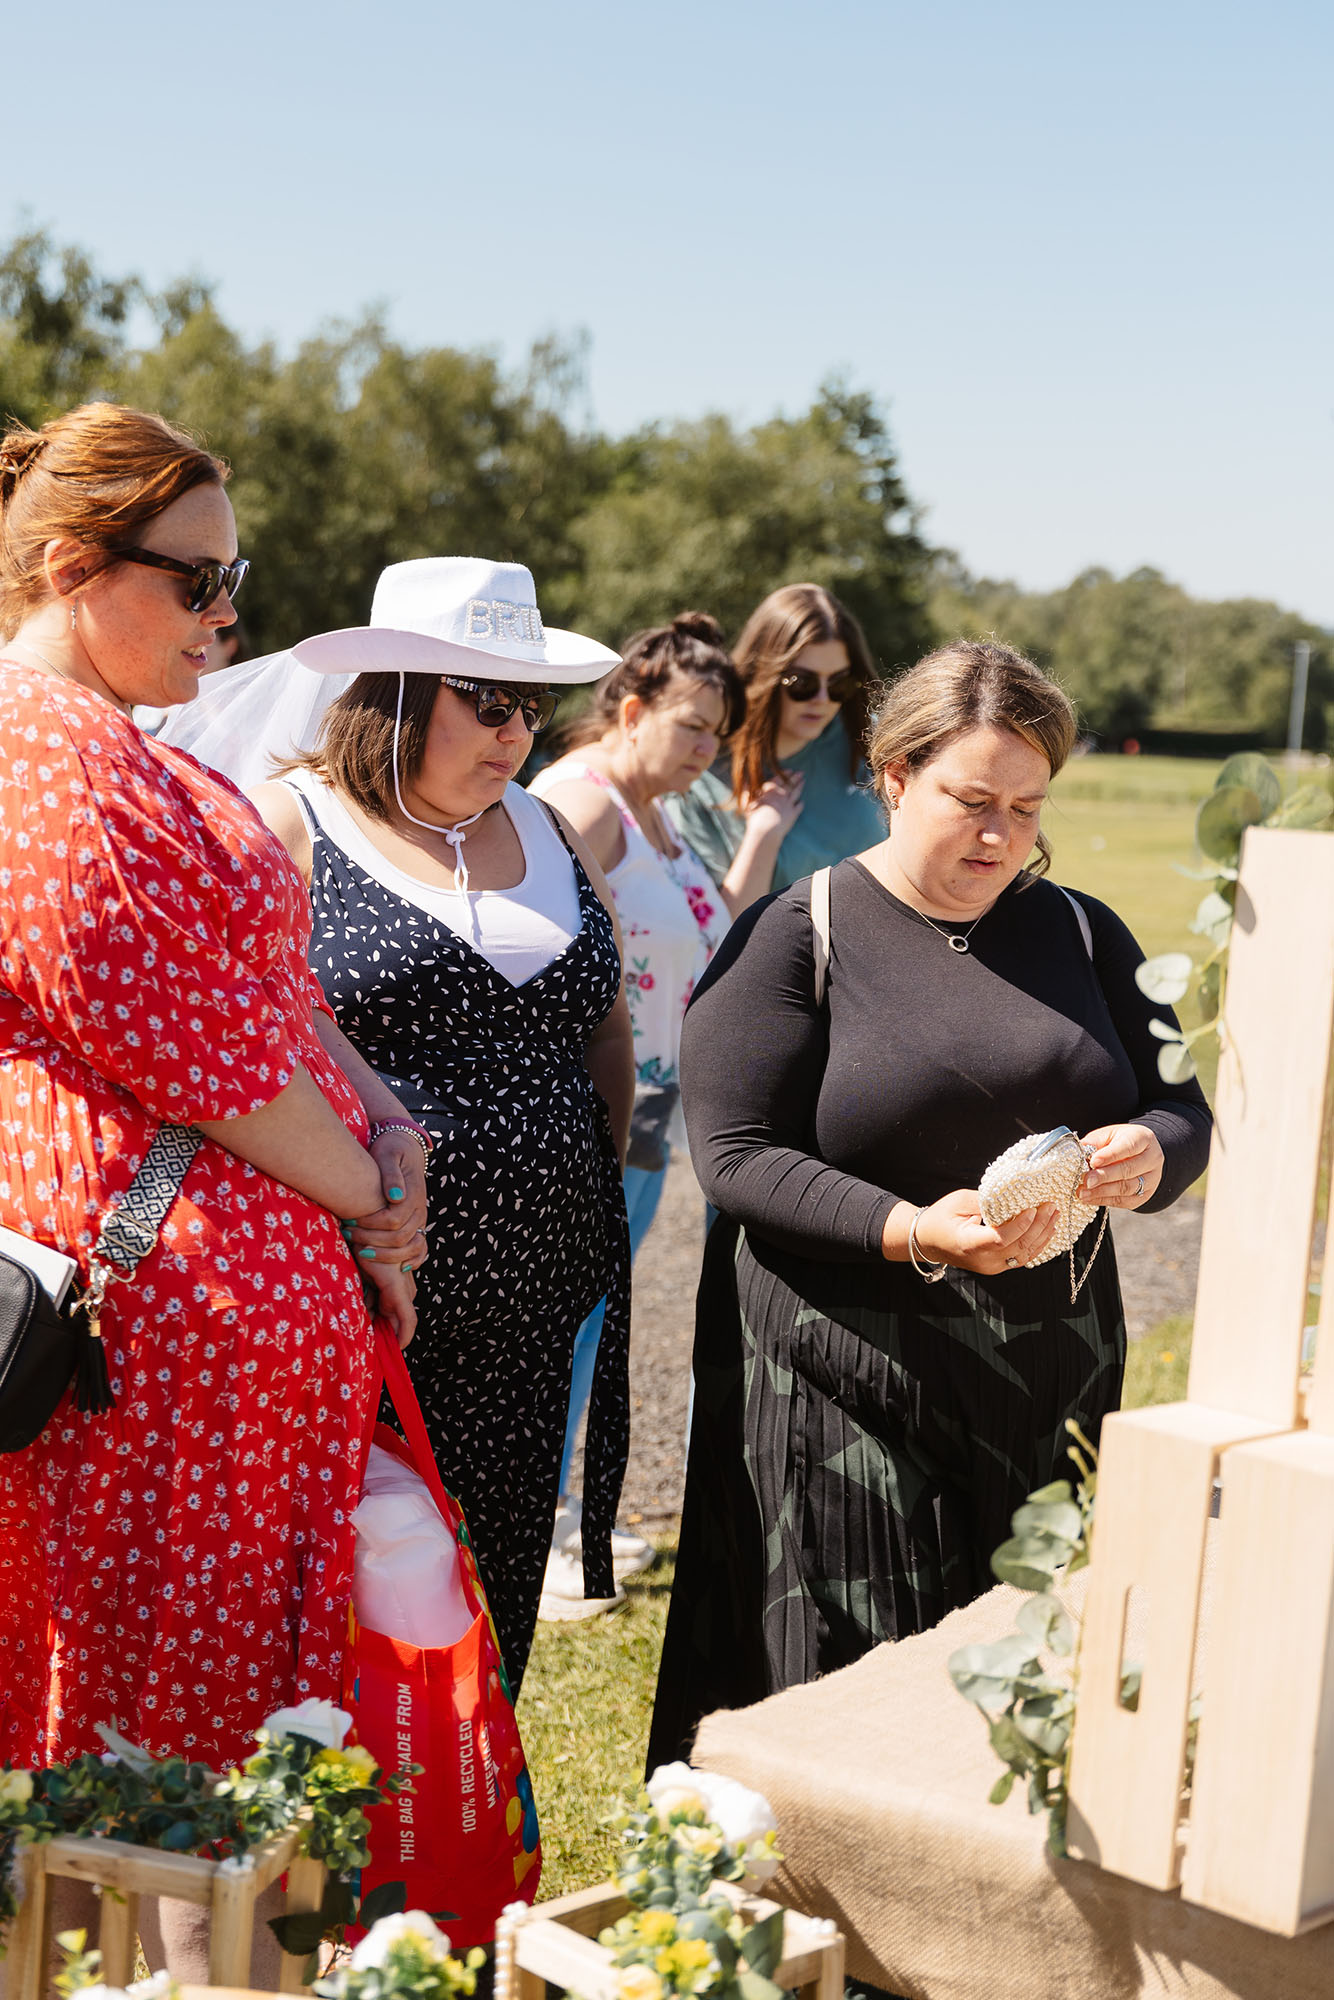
column 860, row 1442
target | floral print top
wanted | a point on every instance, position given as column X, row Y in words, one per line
column 672, row 921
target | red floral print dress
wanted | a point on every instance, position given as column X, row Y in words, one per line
column 182, row 1566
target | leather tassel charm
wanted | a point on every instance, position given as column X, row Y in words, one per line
column 93, row 1393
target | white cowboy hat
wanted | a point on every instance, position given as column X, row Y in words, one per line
column 459, row 615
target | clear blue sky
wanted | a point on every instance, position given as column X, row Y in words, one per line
column 1082, row 252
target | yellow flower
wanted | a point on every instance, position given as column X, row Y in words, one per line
column 639, row 1982
column 689, row 1964
column 356, row 1761
column 679, row 1799
column 15, row 1788
column 701, row 1841
column 657, row 1926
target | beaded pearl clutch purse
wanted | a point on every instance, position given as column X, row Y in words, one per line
column 1046, row 1166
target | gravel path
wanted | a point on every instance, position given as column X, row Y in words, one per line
column 1158, row 1256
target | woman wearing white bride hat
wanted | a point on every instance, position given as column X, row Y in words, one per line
column 463, row 935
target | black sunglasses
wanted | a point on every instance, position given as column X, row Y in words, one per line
column 495, row 704
column 803, row 684
column 208, row 580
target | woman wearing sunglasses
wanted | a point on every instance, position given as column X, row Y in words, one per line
column 464, row 937
column 182, row 1562
column 788, row 797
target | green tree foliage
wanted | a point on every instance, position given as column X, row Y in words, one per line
column 1137, row 652
column 706, row 514
column 356, row 451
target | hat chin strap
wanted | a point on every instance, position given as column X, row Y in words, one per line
column 453, row 834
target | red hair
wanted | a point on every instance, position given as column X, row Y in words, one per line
column 98, row 475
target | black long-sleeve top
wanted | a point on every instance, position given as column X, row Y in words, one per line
column 808, row 1123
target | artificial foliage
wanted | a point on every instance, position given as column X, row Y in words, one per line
column 682, row 1935
column 184, row 1807
column 1246, row 792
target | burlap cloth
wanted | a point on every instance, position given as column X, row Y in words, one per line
column 879, row 1777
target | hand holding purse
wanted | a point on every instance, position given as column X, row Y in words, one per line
column 1045, row 1166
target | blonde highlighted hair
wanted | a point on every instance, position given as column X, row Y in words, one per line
column 970, row 684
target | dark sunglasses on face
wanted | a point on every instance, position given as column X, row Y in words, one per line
column 802, row 684
column 208, row 580
column 495, row 704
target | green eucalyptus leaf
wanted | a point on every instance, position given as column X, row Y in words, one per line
column 1222, row 820
column 1048, row 1734
column 1252, row 772
column 1009, row 1745
column 1002, row 1788
column 1045, row 1620
column 386, row 1899
column 1209, row 989
column 1029, row 1562
column 986, row 1673
column 754, row 1986
column 1166, row 978
column 1175, row 1063
column 299, row 1933
column 1213, row 919
column 1309, row 806
column 1164, row 1031
column 1060, row 1520
column 762, row 1945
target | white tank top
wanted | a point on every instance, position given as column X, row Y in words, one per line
column 519, row 930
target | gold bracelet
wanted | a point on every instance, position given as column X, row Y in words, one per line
column 928, row 1271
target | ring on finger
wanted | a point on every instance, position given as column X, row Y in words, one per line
column 1012, row 1263
column 1139, row 1188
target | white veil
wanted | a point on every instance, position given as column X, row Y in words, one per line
column 246, row 719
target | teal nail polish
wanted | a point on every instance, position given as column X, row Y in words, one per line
column 396, row 1194
column 368, row 1254
column 405, row 1267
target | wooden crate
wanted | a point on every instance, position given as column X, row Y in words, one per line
column 1258, row 1842
column 557, row 1942
column 125, row 1873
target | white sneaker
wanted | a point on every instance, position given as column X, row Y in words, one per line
column 630, row 1554
column 563, row 1591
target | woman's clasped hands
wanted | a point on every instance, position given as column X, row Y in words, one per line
column 390, row 1243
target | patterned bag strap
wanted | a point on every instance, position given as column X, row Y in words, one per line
column 130, row 1229
column 820, row 926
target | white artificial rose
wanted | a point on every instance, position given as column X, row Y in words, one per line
column 674, row 1788
column 319, row 1720
column 15, row 1788
column 381, row 1938
column 742, row 1815
column 639, row 1982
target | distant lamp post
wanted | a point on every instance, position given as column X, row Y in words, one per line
column 1301, row 667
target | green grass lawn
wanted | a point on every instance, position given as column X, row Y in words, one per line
column 584, row 1712
column 1116, row 824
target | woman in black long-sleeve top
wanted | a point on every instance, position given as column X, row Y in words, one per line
column 881, row 1377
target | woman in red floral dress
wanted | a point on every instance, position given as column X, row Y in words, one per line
column 180, row 1566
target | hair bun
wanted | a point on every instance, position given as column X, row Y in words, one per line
column 17, row 452
column 698, row 625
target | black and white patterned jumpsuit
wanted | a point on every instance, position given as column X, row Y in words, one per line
column 527, row 1218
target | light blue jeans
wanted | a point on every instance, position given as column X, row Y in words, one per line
column 643, row 1191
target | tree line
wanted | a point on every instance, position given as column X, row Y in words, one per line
column 356, row 450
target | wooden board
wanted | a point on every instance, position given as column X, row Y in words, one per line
column 1259, row 1213
column 1155, row 1485
column 1262, row 1815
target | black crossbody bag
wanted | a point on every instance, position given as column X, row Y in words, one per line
column 44, row 1347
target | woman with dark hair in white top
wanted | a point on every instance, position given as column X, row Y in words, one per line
column 464, row 936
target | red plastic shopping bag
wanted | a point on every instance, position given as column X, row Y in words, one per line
column 465, row 1839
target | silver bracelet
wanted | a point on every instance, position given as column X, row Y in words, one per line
column 930, row 1273
column 408, row 1125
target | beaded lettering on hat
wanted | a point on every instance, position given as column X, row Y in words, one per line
column 495, row 618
